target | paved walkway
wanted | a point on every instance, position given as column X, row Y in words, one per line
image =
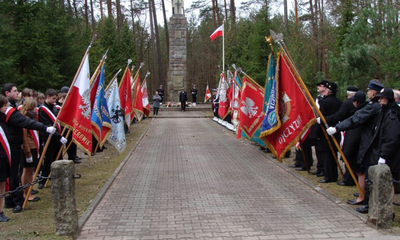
column 190, row 178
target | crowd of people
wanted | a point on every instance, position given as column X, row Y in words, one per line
column 367, row 126
column 26, row 122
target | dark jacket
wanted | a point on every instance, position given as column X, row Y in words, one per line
column 344, row 112
column 351, row 143
column 387, row 137
column 182, row 96
column 328, row 106
column 16, row 122
column 366, row 118
column 45, row 119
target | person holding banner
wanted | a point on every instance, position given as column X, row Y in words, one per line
column 15, row 123
column 48, row 115
column 4, row 154
column 329, row 105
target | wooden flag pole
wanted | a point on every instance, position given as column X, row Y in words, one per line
column 279, row 39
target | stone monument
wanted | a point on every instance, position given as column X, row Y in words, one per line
column 177, row 69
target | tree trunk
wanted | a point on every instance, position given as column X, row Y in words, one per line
column 285, row 13
column 92, row 15
column 86, row 14
column 153, row 47
column 133, row 19
column 101, row 13
column 119, row 16
column 166, row 31
column 109, row 6
column 213, row 13
column 159, row 57
column 233, row 13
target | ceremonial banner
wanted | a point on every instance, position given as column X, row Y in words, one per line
column 145, row 99
column 223, row 109
column 271, row 120
column 117, row 135
column 251, row 106
column 125, row 96
column 101, row 122
column 294, row 112
column 236, row 99
column 137, row 100
column 76, row 110
column 207, row 96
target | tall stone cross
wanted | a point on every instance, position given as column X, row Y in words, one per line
column 177, row 7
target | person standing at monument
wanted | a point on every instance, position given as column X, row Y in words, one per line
column 161, row 92
column 183, row 99
column 194, row 93
column 156, row 103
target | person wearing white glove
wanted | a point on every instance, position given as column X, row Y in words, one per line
column 381, row 161
column 63, row 140
column 29, row 160
column 331, row 130
column 319, row 120
column 51, row 130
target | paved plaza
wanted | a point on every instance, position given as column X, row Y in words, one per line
column 190, row 178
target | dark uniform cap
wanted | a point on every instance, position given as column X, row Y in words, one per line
column 64, row 89
column 359, row 97
column 323, row 82
column 332, row 86
column 375, row 86
column 386, row 93
column 352, row 88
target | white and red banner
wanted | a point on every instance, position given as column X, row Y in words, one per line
column 76, row 111
column 207, row 96
column 145, row 99
column 125, row 96
column 223, row 109
column 219, row 32
column 137, row 99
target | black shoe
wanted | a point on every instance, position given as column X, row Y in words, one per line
column 17, row 209
column 301, row 169
column 104, row 147
column 3, row 217
column 40, row 186
column 294, row 165
column 341, row 184
column 354, row 202
column 77, row 161
column 363, row 209
column 324, row 181
column 33, row 192
column 287, row 154
column 320, row 175
column 35, row 199
column 356, row 194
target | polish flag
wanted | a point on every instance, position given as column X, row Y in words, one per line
column 76, row 112
column 219, row 32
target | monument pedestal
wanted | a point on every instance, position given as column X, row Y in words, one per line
column 177, row 69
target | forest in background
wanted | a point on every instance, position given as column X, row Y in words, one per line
column 348, row 42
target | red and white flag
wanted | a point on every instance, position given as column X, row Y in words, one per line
column 223, row 109
column 145, row 99
column 207, row 95
column 137, row 99
column 219, row 32
column 76, row 111
column 125, row 96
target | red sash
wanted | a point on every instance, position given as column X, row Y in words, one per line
column 4, row 143
column 52, row 117
column 35, row 137
column 9, row 112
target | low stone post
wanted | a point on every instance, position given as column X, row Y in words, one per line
column 380, row 211
column 63, row 190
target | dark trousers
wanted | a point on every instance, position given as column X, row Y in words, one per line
column 300, row 159
column 194, row 96
column 183, row 106
column 155, row 110
column 347, row 179
column 16, row 198
column 49, row 157
column 330, row 167
column 320, row 163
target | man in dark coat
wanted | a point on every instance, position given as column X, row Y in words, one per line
column 183, row 99
column 328, row 105
column 15, row 124
column 344, row 112
column 365, row 117
column 194, row 93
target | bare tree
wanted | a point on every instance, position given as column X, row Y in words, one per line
column 109, row 7
column 166, row 29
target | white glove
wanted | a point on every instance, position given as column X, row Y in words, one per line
column 331, row 130
column 381, row 161
column 29, row 160
column 51, row 130
column 319, row 120
column 63, row 140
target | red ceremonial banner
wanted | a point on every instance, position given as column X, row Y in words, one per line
column 295, row 111
column 251, row 112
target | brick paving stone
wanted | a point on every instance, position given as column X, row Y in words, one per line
column 190, row 178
